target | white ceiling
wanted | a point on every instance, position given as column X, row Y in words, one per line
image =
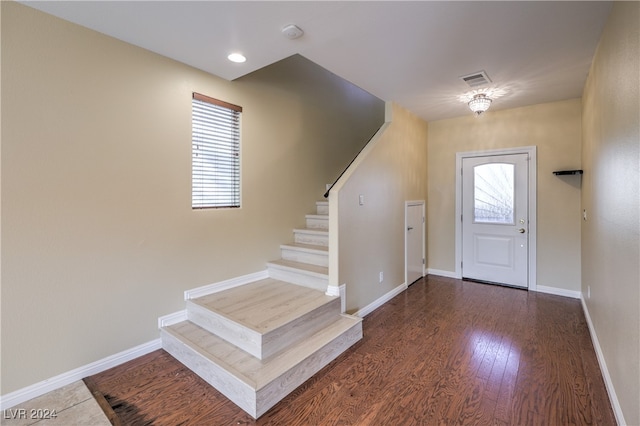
column 412, row 53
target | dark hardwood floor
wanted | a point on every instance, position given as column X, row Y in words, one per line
column 444, row 352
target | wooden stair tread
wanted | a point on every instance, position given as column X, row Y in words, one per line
column 253, row 372
column 264, row 305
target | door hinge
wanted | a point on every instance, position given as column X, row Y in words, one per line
column 422, row 219
column 423, row 261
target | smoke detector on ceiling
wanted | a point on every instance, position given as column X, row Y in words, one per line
column 292, row 32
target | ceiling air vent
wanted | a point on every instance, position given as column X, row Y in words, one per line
column 476, row 79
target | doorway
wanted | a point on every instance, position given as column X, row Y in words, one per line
column 495, row 204
column 415, row 258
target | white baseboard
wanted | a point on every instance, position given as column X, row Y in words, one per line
column 615, row 403
column 540, row 288
column 380, row 301
column 558, row 291
column 171, row 319
column 441, row 273
column 334, row 290
column 38, row 389
column 225, row 285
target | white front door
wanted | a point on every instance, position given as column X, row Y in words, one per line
column 495, row 236
column 414, row 241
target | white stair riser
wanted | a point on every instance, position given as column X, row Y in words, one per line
column 243, row 395
column 299, row 277
column 313, row 258
column 300, row 329
column 275, row 391
column 317, row 222
column 246, row 339
column 302, row 237
column 322, row 207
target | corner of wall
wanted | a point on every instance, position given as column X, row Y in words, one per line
column 388, row 111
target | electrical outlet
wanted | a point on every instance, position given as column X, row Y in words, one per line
column 361, row 199
column 381, row 276
column 584, row 214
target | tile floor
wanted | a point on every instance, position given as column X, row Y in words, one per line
column 70, row 405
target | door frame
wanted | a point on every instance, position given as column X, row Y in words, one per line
column 424, row 225
column 532, row 228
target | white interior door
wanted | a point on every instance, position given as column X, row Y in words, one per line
column 414, row 241
column 495, row 237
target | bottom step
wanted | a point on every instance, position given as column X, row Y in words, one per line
column 252, row 384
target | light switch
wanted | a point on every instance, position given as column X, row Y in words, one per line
column 361, row 199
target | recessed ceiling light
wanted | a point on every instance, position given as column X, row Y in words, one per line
column 237, row 57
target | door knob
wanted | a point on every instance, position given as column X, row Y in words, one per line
column 409, row 228
column 521, row 230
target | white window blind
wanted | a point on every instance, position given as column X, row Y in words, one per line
column 215, row 153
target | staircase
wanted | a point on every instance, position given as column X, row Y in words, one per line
column 257, row 342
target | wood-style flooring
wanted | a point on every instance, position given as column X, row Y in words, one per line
column 444, row 352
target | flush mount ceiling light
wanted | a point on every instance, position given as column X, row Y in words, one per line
column 237, row 57
column 480, row 103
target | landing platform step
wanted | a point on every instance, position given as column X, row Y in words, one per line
column 264, row 317
column 252, row 384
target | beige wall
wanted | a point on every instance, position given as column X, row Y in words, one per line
column 99, row 238
column 611, row 196
column 391, row 171
column 555, row 129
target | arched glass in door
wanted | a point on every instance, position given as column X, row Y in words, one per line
column 494, row 193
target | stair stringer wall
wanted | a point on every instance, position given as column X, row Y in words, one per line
column 368, row 238
column 336, row 286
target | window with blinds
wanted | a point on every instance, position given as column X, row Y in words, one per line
column 215, row 158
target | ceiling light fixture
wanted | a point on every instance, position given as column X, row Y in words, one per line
column 237, row 57
column 480, row 103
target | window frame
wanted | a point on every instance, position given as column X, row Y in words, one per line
column 223, row 141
